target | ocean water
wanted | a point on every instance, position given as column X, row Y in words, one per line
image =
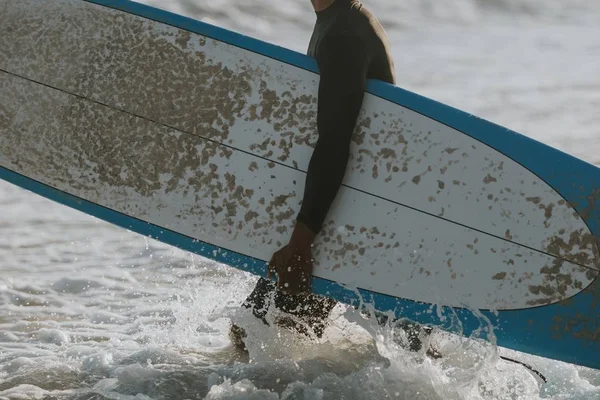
column 91, row 311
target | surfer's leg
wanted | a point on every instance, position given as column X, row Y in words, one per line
column 310, row 311
column 415, row 333
column 258, row 301
column 305, row 310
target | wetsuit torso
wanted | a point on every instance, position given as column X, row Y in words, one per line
column 350, row 46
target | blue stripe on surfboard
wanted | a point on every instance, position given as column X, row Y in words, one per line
column 509, row 326
column 574, row 179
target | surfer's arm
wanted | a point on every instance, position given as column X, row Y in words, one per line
column 343, row 63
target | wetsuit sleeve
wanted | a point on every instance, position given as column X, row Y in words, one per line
column 343, row 63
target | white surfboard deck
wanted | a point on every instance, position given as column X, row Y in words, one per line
column 201, row 138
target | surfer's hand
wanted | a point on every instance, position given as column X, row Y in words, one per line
column 293, row 267
column 293, row 263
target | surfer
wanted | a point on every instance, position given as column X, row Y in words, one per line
column 350, row 46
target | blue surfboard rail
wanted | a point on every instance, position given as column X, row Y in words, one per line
column 557, row 331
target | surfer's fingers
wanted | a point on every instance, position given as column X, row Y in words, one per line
column 272, row 266
column 305, row 281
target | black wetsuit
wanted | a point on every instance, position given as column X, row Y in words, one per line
column 350, row 46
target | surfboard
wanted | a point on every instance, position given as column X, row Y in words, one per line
column 200, row 137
